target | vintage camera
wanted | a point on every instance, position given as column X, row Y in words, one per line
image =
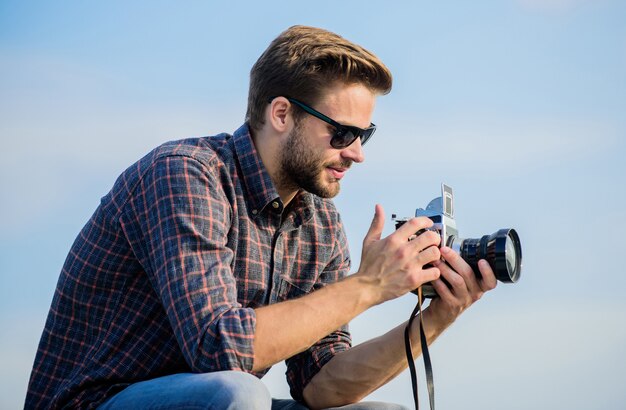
column 502, row 249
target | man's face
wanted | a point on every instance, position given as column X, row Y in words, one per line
column 307, row 160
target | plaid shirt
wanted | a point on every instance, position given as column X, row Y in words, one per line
column 165, row 276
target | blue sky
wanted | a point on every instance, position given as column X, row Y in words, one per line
column 517, row 104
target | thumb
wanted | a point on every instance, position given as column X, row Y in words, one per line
column 376, row 228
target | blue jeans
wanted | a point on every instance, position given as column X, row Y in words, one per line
column 228, row 390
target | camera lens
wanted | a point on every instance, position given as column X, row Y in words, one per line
column 501, row 249
column 511, row 257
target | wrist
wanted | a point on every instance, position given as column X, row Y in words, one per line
column 436, row 318
column 368, row 290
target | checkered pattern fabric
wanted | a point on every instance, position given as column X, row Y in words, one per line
column 165, row 276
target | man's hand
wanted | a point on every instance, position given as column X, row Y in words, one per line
column 463, row 288
column 390, row 268
column 395, row 265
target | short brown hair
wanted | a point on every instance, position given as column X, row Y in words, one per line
column 303, row 61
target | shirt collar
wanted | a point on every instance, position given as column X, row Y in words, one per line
column 258, row 184
column 260, row 189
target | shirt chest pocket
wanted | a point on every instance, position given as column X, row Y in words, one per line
column 288, row 289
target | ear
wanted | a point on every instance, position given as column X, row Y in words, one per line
column 280, row 115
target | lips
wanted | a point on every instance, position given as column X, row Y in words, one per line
column 337, row 173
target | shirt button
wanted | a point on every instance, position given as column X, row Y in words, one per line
column 275, row 205
column 254, row 212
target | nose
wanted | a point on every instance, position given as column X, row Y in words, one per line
column 354, row 151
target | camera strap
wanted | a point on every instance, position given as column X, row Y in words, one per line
column 409, row 354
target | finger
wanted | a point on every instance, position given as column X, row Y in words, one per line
column 412, row 226
column 488, row 280
column 442, row 289
column 425, row 276
column 455, row 282
column 376, row 228
column 461, row 268
column 426, row 240
column 429, row 255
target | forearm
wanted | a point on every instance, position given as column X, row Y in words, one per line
column 389, row 268
column 353, row 374
column 287, row 328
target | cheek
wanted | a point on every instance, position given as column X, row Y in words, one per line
column 315, row 153
column 318, row 133
column 313, row 144
column 326, row 159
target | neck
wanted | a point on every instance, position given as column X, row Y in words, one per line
column 268, row 147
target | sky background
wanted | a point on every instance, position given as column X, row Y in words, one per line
column 519, row 105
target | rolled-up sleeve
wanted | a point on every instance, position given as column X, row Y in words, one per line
column 302, row 367
column 177, row 222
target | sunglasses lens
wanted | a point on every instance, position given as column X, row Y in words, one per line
column 342, row 138
column 345, row 136
column 367, row 134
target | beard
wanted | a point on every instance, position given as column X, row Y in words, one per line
column 301, row 167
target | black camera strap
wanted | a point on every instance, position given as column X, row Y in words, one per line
column 409, row 354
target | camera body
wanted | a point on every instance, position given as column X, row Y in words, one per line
column 502, row 249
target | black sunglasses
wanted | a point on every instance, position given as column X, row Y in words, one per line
column 344, row 135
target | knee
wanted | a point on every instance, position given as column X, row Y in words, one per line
column 239, row 391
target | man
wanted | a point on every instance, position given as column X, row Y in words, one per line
column 212, row 259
